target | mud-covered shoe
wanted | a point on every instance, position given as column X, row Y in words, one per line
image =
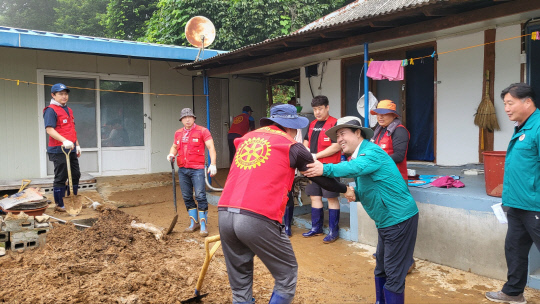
column 501, row 297
column 194, row 221
column 59, row 209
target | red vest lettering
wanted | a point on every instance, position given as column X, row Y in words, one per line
column 240, row 124
column 195, row 147
column 387, row 145
column 260, row 176
column 324, row 141
column 65, row 125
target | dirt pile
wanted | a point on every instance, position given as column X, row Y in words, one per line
column 111, row 263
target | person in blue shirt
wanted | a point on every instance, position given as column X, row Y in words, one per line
column 384, row 196
column 521, row 190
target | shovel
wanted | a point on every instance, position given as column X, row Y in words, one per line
column 173, row 223
column 207, row 258
column 73, row 203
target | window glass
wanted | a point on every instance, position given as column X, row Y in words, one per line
column 122, row 114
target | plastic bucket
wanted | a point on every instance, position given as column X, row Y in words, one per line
column 494, row 172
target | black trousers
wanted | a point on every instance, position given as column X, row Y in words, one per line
column 523, row 231
column 394, row 254
column 60, row 168
column 232, row 149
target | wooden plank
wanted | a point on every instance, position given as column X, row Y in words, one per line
column 492, row 12
column 489, row 65
column 15, row 184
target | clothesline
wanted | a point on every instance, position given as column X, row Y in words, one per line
column 404, row 62
column 19, row 82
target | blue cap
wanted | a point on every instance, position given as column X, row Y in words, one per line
column 59, row 87
column 247, row 109
column 286, row 116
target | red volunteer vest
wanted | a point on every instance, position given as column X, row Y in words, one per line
column 387, row 145
column 65, row 125
column 195, row 148
column 260, row 176
column 324, row 141
column 240, row 124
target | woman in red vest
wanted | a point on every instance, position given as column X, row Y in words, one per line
column 253, row 202
column 391, row 135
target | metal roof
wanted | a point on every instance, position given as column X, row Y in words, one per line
column 33, row 39
column 357, row 18
column 360, row 9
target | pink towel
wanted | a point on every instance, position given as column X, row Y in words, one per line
column 392, row 70
column 373, row 70
column 448, row 182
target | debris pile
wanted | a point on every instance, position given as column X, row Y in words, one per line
column 111, row 262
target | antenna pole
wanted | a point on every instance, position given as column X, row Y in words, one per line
column 206, row 91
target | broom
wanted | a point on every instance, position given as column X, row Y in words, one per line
column 485, row 116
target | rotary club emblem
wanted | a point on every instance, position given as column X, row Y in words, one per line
column 252, row 153
column 238, row 119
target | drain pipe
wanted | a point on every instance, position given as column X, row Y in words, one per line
column 208, row 182
column 63, row 221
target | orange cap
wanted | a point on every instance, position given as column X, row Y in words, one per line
column 384, row 107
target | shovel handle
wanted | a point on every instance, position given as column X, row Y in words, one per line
column 174, row 185
column 209, row 254
column 70, row 181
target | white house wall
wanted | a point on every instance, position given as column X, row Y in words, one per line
column 458, row 95
column 19, row 149
column 19, row 112
column 330, row 87
column 165, row 110
column 507, row 71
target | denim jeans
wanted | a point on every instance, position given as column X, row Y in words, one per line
column 190, row 179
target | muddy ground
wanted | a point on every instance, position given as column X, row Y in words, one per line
column 115, row 263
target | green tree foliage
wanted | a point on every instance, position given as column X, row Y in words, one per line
column 81, row 17
column 238, row 22
column 28, row 14
column 125, row 19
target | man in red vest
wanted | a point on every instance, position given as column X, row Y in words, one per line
column 253, row 201
column 189, row 143
column 328, row 152
column 60, row 126
column 241, row 124
column 391, row 135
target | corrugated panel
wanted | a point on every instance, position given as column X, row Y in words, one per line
column 362, row 9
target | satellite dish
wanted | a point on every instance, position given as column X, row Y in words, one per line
column 372, row 105
column 200, row 32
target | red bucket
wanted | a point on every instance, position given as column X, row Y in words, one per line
column 494, row 172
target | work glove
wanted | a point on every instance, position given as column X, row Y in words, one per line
column 314, row 156
column 170, row 157
column 212, row 170
column 67, row 144
column 79, row 151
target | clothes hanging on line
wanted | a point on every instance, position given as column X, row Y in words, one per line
column 388, row 69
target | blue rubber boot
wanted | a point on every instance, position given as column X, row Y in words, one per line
column 393, row 298
column 58, row 193
column 333, row 223
column 194, row 221
column 379, row 291
column 317, row 218
column 203, row 221
column 287, row 219
column 279, row 298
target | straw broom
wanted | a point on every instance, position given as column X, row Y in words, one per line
column 485, row 116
